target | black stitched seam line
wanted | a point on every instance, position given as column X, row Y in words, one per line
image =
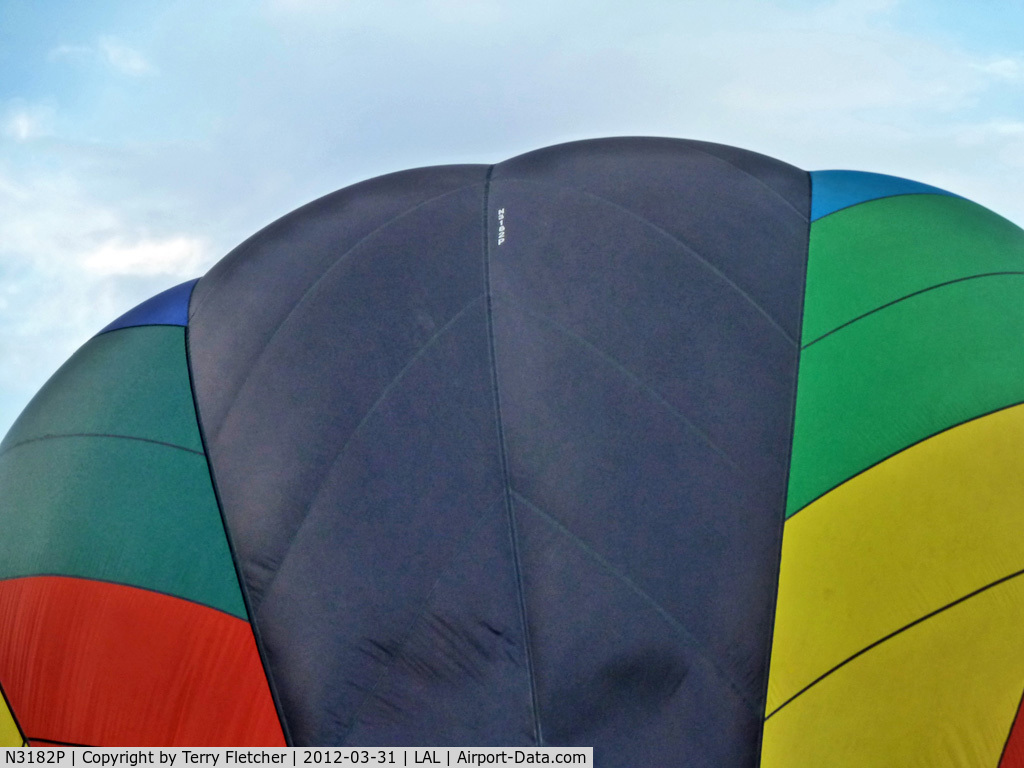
column 905, row 448
column 1019, row 712
column 232, row 552
column 910, row 296
column 640, row 592
column 56, row 743
column 538, row 733
column 769, row 646
column 891, row 635
column 58, row 436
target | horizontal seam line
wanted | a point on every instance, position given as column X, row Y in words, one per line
column 910, row 296
column 60, row 436
column 671, row 620
column 884, row 459
column 893, row 634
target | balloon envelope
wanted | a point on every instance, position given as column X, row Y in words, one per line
column 659, row 446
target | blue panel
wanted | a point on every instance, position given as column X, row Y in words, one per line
column 834, row 190
column 167, row 308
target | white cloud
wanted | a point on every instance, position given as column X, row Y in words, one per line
column 1002, row 68
column 111, row 51
column 179, row 256
column 24, row 122
column 125, row 59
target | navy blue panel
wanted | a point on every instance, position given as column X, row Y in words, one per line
column 738, row 210
column 168, row 307
column 614, row 671
column 257, row 286
column 486, row 493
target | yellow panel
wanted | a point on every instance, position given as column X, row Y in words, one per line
column 943, row 693
column 918, row 531
column 10, row 736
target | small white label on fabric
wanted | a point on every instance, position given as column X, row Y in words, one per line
column 501, row 226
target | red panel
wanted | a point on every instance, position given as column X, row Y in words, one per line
column 1013, row 755
column 86, row 662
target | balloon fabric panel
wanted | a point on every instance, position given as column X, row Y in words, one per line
column 900, row 582
column 949, row 502
column 563, row 357
column 887, row 250
column 508, row 455
column 104, row 479
column 115, row 665
column 836, row 190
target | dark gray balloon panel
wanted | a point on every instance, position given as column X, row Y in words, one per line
column 524, row 492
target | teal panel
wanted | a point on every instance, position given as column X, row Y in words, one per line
column 119, row 510
column 132, row 381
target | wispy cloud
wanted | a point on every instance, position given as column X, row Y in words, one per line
column 125, row 59
column 109, row 50
column 1003, row 68
column 179, row 256
column 24, row 122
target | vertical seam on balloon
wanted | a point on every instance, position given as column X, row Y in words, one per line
column 1018, row 714
column 239, row 576
column 785, row 487
column 14, row 717
column 538, row 734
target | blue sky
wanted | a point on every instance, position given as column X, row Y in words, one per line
column 140, row 141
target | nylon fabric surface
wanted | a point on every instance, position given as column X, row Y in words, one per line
column 897, row 636
column 908, row 517
column 114, row 559
column 610, row 374
column 141, row 654
column 888, row 250
column 837, row 190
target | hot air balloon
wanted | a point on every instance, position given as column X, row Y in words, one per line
column 657, row 446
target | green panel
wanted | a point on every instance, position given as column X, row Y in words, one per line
column 873, row 253
column 903, row 374
column 133, row 381
column 119, row 510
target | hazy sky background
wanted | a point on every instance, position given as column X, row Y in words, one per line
column 141, row 141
